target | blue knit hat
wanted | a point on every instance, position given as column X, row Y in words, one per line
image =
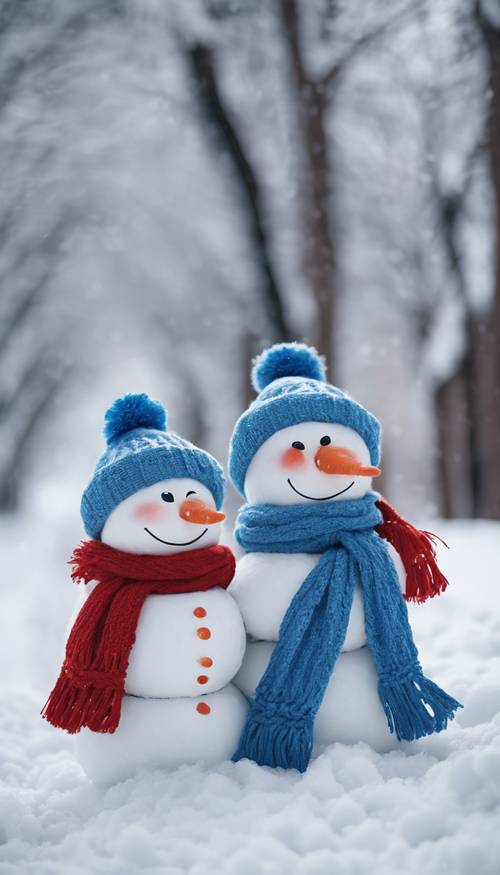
column 291, row 380
column 139, row 453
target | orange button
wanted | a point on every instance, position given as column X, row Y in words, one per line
column 202, row 679
column 203, row 708
column 200, row 612
column 204, row 633
column 205, row 661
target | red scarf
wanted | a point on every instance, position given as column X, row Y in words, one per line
column 91, row 684
column 417, row 550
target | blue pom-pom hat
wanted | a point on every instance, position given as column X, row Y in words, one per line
column 140, row 452
column 290, row 379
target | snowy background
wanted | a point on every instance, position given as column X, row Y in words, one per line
column 183, row 183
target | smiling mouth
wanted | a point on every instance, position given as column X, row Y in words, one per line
column 176, row 543
column 322, row 498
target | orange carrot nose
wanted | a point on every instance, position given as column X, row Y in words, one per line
column 339, row 460
column 194, row 511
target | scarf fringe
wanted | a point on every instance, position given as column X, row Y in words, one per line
column 276, row 742
column 417, row 549
column 407, row 703
column 76, row 702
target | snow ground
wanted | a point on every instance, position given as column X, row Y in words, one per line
column 432, row 808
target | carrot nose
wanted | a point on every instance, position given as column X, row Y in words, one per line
column 339, row 460
column 194, row 511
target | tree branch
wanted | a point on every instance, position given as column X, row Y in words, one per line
column 329, row 78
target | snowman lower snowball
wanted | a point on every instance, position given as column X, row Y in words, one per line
column 156, row 638
column 327, row 570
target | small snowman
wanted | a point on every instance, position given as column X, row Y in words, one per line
column 327, row 569
column 157, row 638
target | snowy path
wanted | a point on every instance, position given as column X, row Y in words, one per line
column 433, row 808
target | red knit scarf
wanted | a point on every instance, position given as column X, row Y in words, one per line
column 417, row 549
column 91, row 684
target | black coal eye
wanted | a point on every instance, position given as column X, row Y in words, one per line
column 167, row 496
column 191, row 492
column 298, row 445
column 325, row 440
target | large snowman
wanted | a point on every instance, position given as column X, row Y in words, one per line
column 321, row 586
column 156, row 638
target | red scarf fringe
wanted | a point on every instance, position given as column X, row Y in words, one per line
column 91, row 683
column 417, row 549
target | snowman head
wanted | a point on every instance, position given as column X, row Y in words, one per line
column 302, row 440
column 168, row 517
column 152, row 492
column 310, row 461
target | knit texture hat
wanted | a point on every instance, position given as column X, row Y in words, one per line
column 139, row 453
column 290, row 378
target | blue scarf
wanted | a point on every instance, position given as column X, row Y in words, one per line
column 279, row 727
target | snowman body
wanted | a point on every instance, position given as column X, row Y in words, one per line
column 169, row 658
column 265, row 583
column 179, row 705
column 350, row 711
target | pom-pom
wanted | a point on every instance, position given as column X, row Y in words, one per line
column 133, row 411
column 287, row 360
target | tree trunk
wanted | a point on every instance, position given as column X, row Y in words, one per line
column 204, row 72
column 486, row 327
column 272, row 294
column 458, row 461
column 453, row 461
column 318, row 253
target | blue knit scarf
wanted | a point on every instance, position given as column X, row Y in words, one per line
column 279, row 728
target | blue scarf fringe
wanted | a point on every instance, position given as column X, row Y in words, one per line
column 273, row 741
column 407, row 705
column 279, row 727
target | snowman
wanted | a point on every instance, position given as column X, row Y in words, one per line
column 156, row 638
column 327, row 569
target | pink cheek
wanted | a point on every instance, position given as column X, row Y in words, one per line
column 292, row 458
column 150, row 510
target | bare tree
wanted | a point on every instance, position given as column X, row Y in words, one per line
column 487, row 325
column 314, row 97
column 468, row 400
column 203, row 67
